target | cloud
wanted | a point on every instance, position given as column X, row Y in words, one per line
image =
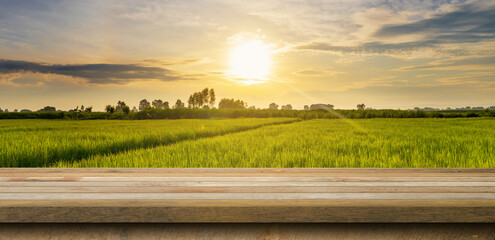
column 312, row 72
column 170, row 61
column 94, row 73
column 468, row 23
column 465, row 30
column 462, row 64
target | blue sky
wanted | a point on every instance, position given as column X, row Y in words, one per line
column 387, row 54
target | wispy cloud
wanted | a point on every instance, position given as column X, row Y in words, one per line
column 462, row 64
column 467, row 23
column 94, row 73
column 466, row 30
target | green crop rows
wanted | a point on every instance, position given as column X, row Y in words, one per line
column 42, row 143
column 275, row 142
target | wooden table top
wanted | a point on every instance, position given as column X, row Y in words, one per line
column 247, row 195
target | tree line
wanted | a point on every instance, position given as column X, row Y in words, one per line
column 201, row 104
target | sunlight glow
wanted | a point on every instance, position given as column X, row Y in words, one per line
column 251, row 61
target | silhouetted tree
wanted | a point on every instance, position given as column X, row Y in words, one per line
column 231, row 103
column 46, row 109
column 287, row 107
column 158, row 103
column 75, row 109
column 1, row 110
column 212, row 97
column 88, row 109
column 199, row 99
column 361, row 106
column 252, row 107
column 273, row 106
column 166, row 105
column 120, row 106
column 126, row 109
column 306, row 107
column 110, row 109
column 144, row 104
column 321, row 106
column 134, row 109
column 23, row 110
column 179, row 104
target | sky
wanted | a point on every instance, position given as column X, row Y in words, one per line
column 386, row 54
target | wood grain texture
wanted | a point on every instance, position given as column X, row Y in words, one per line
column 247, row 195
column 290, row 231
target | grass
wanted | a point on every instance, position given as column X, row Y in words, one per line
column 392, row 143
column 42, row 143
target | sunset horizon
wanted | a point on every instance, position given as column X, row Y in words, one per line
column 387, row 55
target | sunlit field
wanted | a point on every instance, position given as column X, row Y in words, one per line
column 43, row 143
column 428, row 143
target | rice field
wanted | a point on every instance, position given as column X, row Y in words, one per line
column 414, row 143
column 253, row 143
column 43, row 143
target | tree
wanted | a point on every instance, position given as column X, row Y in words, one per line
column 273, row 106
column 231, row 103
column 126, row 109
column 75, row 109
column 202, row 98
column 205, row 96
column 144, row 104
column 166, row 105
column 306, row 107
column 321, row 106
column 179, row 104
column 88, row 109
column 120, row 106
column 47, row 109
column 134, row 109
column 287, row 107
column 1, row 110
column 110, row 109
column 212, row 97
column 252, row 107
column 361, row 106
column 158, row 103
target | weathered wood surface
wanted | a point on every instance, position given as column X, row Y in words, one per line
column 266, row 231
column 247, row 195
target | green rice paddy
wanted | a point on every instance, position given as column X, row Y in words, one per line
column 250, row 143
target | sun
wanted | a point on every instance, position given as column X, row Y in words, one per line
column 251, row 62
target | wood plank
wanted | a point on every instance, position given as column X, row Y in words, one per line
column 251, row 189
column 247, row 203
column 247, row 211
column 240, row 184
column 228, row 231
column 248, row 179
column 246, row 196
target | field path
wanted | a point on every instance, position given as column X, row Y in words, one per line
column 43, row 143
